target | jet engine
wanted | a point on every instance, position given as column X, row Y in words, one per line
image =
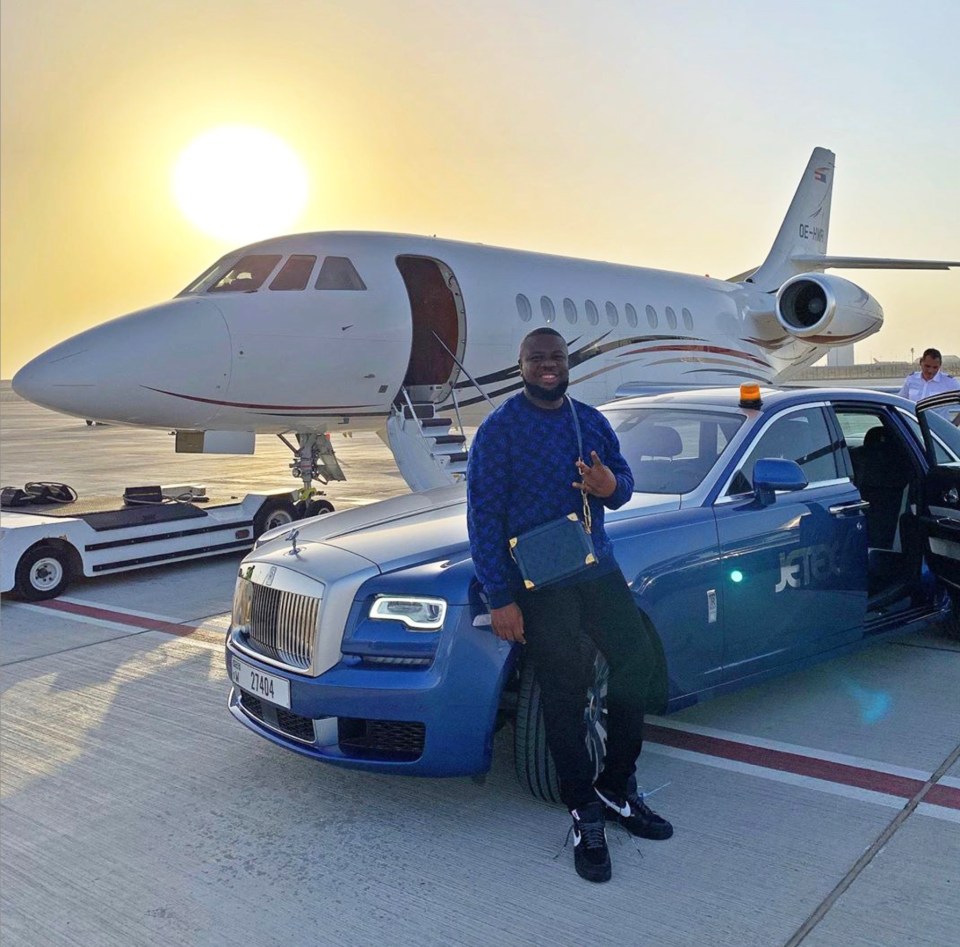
column 828, row 308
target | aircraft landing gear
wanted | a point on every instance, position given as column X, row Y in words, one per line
column 313, row 459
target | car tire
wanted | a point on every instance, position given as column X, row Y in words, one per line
column 43, row 572
column 273, row 513
column 534, row 764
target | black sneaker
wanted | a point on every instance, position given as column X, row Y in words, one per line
column 636, row 816
column 590, row 855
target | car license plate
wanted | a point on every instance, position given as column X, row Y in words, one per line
column 268, row 686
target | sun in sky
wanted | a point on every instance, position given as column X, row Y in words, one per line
column 240, row 183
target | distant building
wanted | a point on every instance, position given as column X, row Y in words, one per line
column 841, row 355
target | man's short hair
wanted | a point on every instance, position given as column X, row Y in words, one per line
column 932, row 353
column 542, row 330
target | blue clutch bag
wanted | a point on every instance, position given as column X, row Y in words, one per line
column 553, row 551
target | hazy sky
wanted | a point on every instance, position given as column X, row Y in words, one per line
column 666, row 134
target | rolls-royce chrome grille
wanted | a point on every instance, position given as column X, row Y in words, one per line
column 283, row 625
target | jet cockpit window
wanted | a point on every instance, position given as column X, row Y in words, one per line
column 203, row 281
column 247, row 274
column 338, row 272
column 295, row 273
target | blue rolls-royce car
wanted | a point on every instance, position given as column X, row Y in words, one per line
column 769, row 529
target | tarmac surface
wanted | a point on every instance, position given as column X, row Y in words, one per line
column 820, row 809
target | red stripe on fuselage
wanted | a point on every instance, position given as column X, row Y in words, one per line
column 712, row 349
column 335, row 408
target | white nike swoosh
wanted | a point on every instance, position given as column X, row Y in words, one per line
column 625, row 811
column 576, row 839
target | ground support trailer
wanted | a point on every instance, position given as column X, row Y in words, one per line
column 44, row 547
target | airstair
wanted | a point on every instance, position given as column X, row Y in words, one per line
column 427, row 453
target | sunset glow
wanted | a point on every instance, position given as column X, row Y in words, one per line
column 147, row 140
column 239, row 184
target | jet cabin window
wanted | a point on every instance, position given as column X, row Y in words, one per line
column 524, row 310
column 247, row 274
column 295, row 273
column 338, row 272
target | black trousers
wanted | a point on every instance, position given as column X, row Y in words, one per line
column 555, row 619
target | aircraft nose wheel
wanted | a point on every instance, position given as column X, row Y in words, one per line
column 317, row 507
column 272, row 514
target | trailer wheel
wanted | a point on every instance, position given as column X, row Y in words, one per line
column 534, row 764
column 273, row 513
column 43, row 572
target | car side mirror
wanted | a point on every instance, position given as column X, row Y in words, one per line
column 773, row 473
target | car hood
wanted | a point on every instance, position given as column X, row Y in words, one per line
column 408, row 529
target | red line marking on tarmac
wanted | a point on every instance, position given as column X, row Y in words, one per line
column 843, row 773
column 123, row 618
column 941, row 795
column 860, row 777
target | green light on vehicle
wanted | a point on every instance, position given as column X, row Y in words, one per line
column 736, row 576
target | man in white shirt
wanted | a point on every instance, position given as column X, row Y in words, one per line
column 929, row 380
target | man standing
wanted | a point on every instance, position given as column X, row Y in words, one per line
column 525, row 470
column 929, row 380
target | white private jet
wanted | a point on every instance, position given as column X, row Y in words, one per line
column 321, row 332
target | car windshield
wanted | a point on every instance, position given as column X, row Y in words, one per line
column 671, row 450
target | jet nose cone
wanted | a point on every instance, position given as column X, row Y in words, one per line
column 37, row 379
column 119, row 371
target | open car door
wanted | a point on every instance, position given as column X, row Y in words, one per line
column 940, row 516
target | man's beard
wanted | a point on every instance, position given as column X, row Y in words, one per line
column 546, row 394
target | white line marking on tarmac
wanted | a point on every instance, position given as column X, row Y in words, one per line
column 763, row 742
column 778, row 776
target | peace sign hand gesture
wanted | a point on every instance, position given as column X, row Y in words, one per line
column 596, row 479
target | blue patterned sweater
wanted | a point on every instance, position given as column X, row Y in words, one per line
column 520, row 472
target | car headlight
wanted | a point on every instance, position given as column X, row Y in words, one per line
column 242, row 605
column 417, row 613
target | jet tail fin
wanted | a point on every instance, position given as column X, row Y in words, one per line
column 801, row 244
column 805, row 228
